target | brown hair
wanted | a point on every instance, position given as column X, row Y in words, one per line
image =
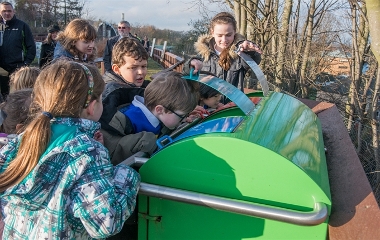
column 169, row 89
column 128, row 47
column 16, row 108
column 24, row 77
column 225, row 59
column 49, row 38
column 77, row 29
column 62, row 90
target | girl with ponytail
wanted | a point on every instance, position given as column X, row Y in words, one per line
column 56, row 179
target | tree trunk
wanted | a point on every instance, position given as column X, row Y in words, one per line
column 282, row 43
column 237, row 11
column 306, row 52
column 374, row 122
column 360, row 32
column 252, row 30
column 243, row 18
column 374, row 26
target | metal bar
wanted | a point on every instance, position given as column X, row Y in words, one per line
column 136, row 160
column 315, row 217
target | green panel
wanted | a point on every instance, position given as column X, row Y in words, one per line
column 250, row 172
column 142, row 216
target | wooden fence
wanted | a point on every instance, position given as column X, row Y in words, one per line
column 166, row 59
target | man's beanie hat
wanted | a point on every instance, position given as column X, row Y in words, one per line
column 54, row 28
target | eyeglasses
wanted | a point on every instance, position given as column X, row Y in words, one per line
column 180, row 116
column 121, row 27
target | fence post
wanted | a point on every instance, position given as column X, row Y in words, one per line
column 152, row 47
column 163, row 51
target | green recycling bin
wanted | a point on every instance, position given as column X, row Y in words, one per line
column 245, row 172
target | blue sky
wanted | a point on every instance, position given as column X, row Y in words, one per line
column 163, row 14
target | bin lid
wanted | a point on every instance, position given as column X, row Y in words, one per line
column 230, row 91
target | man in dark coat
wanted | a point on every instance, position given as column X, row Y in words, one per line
column 18, row 47
column 123, row 29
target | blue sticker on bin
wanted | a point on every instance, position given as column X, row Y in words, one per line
column 220, row 125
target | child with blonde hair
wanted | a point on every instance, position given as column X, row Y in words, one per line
column 24, row 77
column 56, row 179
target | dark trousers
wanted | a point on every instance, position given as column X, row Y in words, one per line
column 4, row 85
column 129, row 230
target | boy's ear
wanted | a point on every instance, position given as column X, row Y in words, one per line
column 116, row 69
column 159, row 109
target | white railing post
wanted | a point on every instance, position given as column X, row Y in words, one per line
column 152, row 47
column 163, row 51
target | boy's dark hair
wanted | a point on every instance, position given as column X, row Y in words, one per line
column 206, row 91
column 15, row 109
column 128, row 47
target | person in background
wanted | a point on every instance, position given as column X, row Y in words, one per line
column 48, row 46
column 24, row 77
column 14, row 113
column 60, row 165
column 145, row 42
column 209, row 98
column 217, row 51
column 123, row 28
column 77, row 42
column 18, row 48
column 137, row 37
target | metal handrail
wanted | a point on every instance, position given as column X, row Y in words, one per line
column 136, row 160
column 315, row 217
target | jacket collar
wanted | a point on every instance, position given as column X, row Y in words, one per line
column 204, row 46
column 84, row 125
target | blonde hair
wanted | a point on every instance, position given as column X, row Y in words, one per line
column 128, row 47
column 61, row 89
column 170, row 90
column 24, row 77
column 77, row 29
column 225, row 60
